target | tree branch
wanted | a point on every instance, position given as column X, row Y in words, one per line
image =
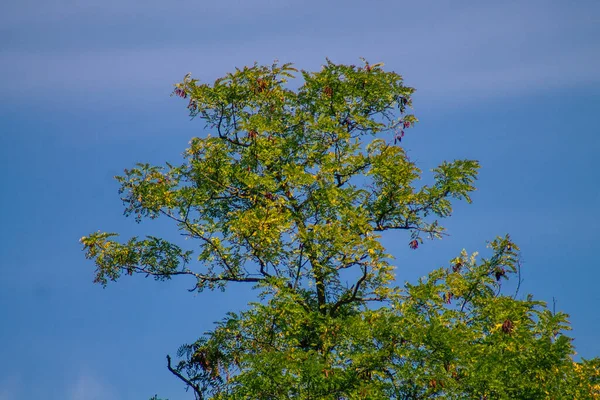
column 353, row 296
column 200, row 277
column 196, row 388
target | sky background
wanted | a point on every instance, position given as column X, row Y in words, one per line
column 84, row 93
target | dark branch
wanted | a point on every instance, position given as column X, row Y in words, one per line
column 195, row 387
column 224, row 135
column 200, row 277
column 346, row 299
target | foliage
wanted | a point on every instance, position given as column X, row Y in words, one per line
column 291, row 194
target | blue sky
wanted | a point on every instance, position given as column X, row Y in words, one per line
column 84, row 93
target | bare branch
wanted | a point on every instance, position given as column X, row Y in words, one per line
column 196, row 388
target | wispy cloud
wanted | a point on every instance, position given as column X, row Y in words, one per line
column 89, row 386
column 445, row 49
column 9, row 387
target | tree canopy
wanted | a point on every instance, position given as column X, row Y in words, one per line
column 290, row 192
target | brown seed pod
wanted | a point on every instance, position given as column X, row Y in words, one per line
column 508, row 327
column 200, row 358
column 499, row 273
column 261, row 85
column 448, row 297
column 457, row 266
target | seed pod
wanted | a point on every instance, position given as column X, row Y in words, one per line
column 457, row 266
column 499, row 272
column 448, row 297
column 261, row 85
column 508, row 327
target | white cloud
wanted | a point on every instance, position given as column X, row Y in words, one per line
column 88, row 386
column 450, row 50
column 9, row 387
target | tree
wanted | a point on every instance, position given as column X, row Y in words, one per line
column 290, row 193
